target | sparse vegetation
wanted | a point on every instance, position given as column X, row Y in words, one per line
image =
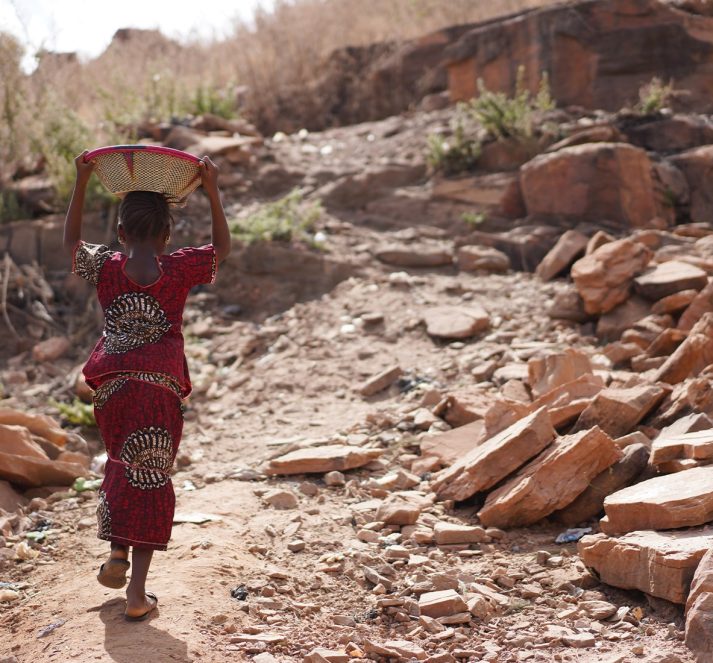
column 288, row 219
column 654, row 96
column 511, row 117
column 76, row 413
column 473, row 219
column 458, row 152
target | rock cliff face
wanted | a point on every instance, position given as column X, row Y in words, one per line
column 597, row 53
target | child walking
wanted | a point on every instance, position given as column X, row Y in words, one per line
column 138, row 369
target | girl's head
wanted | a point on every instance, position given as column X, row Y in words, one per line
column 144, row 216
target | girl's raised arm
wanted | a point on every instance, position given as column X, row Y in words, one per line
column 73, row 221
column 220, row 233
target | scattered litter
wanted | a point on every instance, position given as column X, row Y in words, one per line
column 82, row 484
column 48, row 629
column 574, row 534
column 240, row 593
column 195, row 518
column 188, row 486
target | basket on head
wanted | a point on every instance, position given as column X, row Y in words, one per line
column 124, row 168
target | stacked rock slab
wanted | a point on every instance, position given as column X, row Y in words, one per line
column 496, row 458
column 551, row 481
column 658, row 563
column 672, row 501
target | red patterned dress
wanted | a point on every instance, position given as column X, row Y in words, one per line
column 139, row 373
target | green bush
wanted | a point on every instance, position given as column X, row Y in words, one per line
column 63, row 135
column 287, row 219
column 457, row 153
column 654, row 96
column 215, row 100
column 511, row 117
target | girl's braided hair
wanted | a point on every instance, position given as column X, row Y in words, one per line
column 145, row 215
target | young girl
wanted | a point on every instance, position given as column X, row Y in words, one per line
column 138, row 369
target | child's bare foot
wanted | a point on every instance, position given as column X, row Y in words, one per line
column 139, row 607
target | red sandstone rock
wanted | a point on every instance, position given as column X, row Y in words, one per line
column 593, row 181
column 441, row 604
column 456, row 322
column 569, row 247
column 322, row 459
column 701, row 303
column 699, row 610
column 415, row 256
column 380, row 382
column 591, row 502
column 553, row 370
column 684, row 499
column 617, row 411
column 692, row 356
column 495, row 458
column 604, row 278
column 452, row 445
column 551, row 481
column 659, row 563
column 473, row 258
column 668, row 278
column 696, row 445
column 675, row 302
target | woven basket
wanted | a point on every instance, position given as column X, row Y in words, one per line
column 124, row 168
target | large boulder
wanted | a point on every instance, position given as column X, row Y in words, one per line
column 597, row 53
column 595, row 181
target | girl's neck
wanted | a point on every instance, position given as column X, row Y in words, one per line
column 141, row 251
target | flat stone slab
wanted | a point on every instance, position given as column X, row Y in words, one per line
column 552, row 481
column 456, row 322
column 658, row 563
column 568, row 248
column 452, row 445
column 414, row 256
column 322, row 459
column 496, row 458
column 669, row 278
column 684, row 499
column 696, row 446
column 617, row 411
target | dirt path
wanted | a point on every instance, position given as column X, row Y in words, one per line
column 301, row 384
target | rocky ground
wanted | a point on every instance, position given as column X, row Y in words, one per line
column 286, row 565
column 333, row 383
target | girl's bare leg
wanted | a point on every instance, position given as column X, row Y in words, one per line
column 119, row 552
column 137, row 602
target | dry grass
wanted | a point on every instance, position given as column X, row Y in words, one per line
column 65, row 105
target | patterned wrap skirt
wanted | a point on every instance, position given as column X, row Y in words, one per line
column 140, row 418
